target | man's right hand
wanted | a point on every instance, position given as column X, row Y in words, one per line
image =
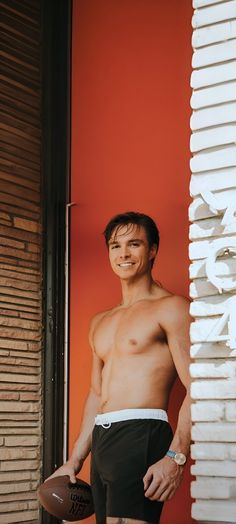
column 70, row 468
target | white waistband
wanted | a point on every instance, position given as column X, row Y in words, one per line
column 130, row 414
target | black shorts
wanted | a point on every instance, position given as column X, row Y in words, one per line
column 121, row 455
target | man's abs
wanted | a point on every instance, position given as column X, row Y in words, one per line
column 133, row 383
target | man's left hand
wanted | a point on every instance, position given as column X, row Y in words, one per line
column 162, row 479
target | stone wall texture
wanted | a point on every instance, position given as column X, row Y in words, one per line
column 20, row 263
column 213, row 261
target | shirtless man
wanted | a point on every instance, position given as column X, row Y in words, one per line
column 139, row 347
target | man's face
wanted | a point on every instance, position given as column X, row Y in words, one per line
column 129, row 251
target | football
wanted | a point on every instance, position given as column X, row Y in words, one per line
column 65, row 500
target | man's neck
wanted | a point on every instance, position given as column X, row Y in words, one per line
column 139, row 288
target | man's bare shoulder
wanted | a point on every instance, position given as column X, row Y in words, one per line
column 174, row 301
column 174, row 306
column 96, row 319
column 92, row 327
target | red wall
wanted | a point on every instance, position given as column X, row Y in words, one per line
column 130, row 151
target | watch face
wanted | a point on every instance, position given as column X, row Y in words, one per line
column 180, row 459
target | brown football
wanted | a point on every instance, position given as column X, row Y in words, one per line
column 65, row 500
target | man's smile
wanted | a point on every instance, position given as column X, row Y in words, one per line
column 126, row 264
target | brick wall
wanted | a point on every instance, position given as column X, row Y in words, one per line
column 213, row 261
column 20, row 264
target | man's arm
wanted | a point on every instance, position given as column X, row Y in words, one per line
column 163, row 478
column 82, row 445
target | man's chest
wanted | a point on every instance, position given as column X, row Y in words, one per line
column 127, row 332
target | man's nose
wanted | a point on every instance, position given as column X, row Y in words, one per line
column 125, row 253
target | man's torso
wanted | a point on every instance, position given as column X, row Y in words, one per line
column 138, row 369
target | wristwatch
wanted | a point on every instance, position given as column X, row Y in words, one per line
column 179, row 458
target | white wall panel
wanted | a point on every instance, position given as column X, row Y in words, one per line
column 214, row 13
column 217, row 94
column 213, row 116
column 214, row 33
column 212, row 252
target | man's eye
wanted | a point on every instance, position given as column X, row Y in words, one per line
column 115, row 246
column 136, row 244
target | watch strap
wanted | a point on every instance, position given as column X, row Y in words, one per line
column 171, row 453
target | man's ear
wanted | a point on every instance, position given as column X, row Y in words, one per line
column 153, row 251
